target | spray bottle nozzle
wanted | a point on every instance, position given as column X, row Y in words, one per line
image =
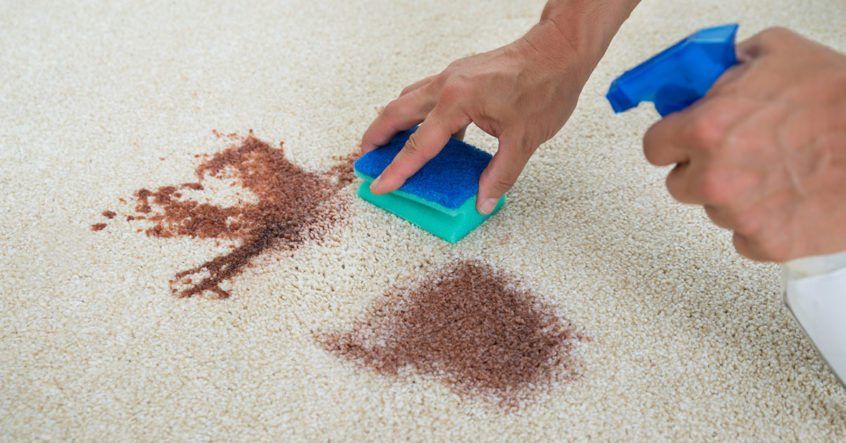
column 679, row 75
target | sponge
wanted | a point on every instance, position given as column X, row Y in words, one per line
column 440, row 197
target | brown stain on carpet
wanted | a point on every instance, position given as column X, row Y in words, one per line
column 470, row 326
column 291, row 206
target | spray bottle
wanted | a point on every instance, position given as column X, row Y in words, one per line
column 814, row 287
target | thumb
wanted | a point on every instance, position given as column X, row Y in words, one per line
column 502, row 171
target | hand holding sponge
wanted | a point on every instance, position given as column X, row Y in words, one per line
column 441, row 197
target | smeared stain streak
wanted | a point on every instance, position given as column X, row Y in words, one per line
column 469, row 326
column 282, row 206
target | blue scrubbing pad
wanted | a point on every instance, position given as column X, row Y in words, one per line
column 449, row 179
column 440, row 197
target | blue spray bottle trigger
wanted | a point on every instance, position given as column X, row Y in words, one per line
column 679, row 75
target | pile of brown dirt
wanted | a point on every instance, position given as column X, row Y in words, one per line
column 471, row 327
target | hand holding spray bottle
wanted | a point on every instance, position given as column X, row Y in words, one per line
column 815, row 287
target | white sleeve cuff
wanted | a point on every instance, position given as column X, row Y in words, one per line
column 819, row 304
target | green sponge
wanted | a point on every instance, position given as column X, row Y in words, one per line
column 440, row 197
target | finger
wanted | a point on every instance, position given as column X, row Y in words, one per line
column 745, row 248
column 460, row 134
column 747, row 222
column 417, row 85
column 698, row 131
column 422, row 146
column 719, row 216
column 766, row 246
column 661, row 141
column 401, row 114
column 502, row 171
column 680, row 184
column 753, row 47
column 764, row 42
column 749, row 248
column 701, row 183
column 727, row 82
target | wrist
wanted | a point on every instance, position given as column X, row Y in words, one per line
column 579, row 30
column 559, row 54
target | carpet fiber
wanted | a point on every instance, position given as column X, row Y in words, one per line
column 666, row 331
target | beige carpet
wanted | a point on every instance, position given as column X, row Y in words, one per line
column 686, row 338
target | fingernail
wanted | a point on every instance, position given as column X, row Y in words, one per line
column 488, row 205
column 374, row 186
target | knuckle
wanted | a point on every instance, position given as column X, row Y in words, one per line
column 393, row 107
column 771, row 36
column 746, row 223
column 412, row 146
column 674, row 187
column 716, row 216
column 504, row 183
column 706, row 132
column 452, row 92
column 775, row 32
column 714, row 188
column 405, row 90
column 774, row 251
column 758, row 248
column 652, row 154
column 452, row 66
column 724, row 86
column 651, row 147
column 439, row 80
column 743, row 247
column 649, row 135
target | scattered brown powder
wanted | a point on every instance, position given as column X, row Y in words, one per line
column 230, row 136
column 109, row 214
column 291, row 206
column 98, row 226
column 469, row 326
